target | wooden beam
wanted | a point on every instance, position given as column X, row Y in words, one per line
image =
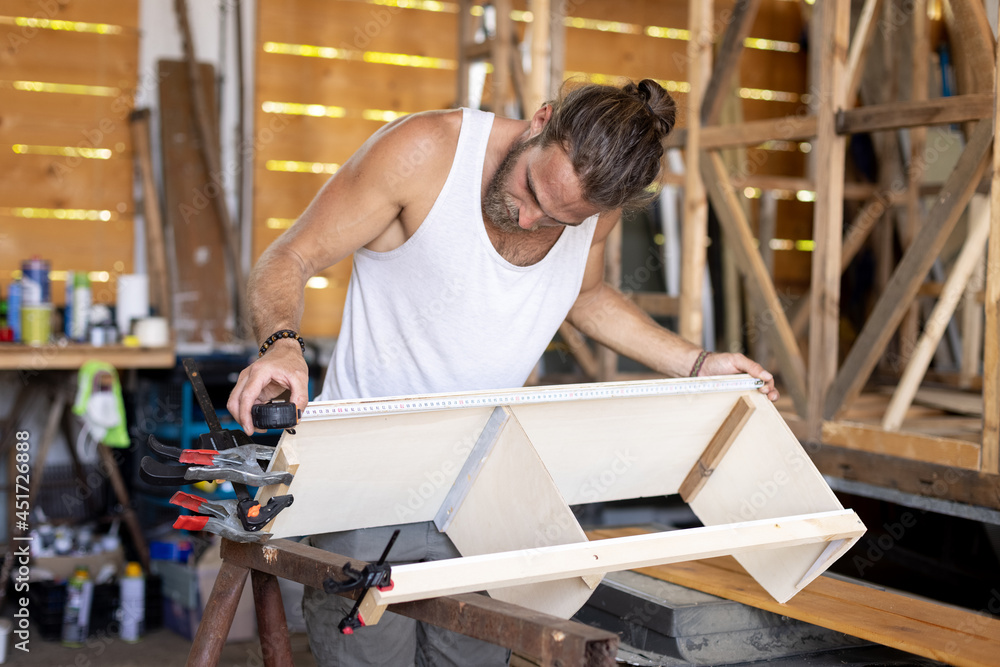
column 581, row 352
column 910, row 272
column 607, row 359
column 737, row 229
column 285, row 459
column 727, row 59
column 537, row 83
column 656, row 304
column 544, row 638
column 896, row 115
column 972, row 324
column 751, row 133
column 910, row 476
column 156, row 253
column 968, row 259
column 695, row 221
column 716, row 449
column 828, row 214
column 874, row 439
column 853, row 190
column 858, row 232
column 557, row 39
column 465, row 56
column 502, row 56
column 991, row 349
column 418, row 581
column 859, row 49
column 870, row 118
column 909, row 329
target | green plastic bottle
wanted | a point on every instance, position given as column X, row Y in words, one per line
column 76, row 614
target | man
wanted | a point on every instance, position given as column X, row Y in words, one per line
column 473, row 238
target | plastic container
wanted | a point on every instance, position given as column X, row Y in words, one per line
column 37, row 291
column 133, row 603
column 14, row 309
column 36, row 324
column 76, row 614
column 80, row 331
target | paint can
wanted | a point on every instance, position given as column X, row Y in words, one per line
column 36, row 324
column 35, row 287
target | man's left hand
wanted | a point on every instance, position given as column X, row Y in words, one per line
column 727, row 363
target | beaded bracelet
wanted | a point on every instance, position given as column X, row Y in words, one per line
column 698, row 363
column 278, row 335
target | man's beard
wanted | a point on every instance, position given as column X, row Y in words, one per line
column 498, row 206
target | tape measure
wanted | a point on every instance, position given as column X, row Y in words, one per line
column 548, row 394
column 276, row 414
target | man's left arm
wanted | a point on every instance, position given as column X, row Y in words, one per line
column 606, row 315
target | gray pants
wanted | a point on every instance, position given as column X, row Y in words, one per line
column 396, row 641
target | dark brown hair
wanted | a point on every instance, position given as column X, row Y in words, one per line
column 614, row 139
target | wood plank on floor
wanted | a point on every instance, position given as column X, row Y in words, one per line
column 921, row 627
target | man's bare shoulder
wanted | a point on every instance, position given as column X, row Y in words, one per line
column 429, row 131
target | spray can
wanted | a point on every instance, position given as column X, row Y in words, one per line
column 14, row 309
column 76, row 614
column 36, row 324
column 81, row 307
column 36, row 290
column 132, row 589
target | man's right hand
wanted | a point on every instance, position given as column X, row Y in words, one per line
column 281, row 369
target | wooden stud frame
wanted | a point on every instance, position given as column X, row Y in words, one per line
column 499, row 480
column 834, row 386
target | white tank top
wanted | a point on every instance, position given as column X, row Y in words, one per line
column 444, row 311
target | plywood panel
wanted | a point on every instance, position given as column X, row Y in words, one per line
column 361, row 27
column 73, row 57
column 596, row 450
column 514, row 504
column 61, row 182
column 115, row 12
column 203, row 296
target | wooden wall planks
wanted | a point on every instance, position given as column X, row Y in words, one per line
column 102, row 53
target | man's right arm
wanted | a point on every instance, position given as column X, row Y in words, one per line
column 356, row 207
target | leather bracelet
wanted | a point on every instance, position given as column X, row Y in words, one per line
column 278, row 335
column 698, row 363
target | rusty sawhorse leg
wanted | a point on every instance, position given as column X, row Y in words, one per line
column 542, row 638
column 272, row 628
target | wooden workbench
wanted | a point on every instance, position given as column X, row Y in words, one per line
column 70, row 356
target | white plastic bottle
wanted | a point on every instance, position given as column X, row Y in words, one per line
column 81, row 307
column 132, row 590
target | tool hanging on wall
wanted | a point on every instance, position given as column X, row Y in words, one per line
column 225, row 454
